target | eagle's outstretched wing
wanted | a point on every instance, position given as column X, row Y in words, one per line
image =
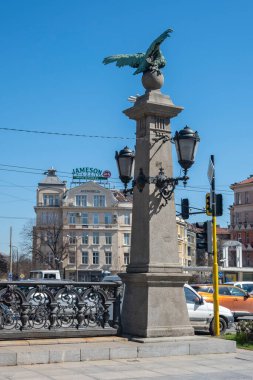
column 132, row 60
column 157, row 42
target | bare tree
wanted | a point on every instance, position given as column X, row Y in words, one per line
column 3, row 265
column 46, row 243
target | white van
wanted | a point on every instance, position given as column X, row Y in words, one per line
column 201, row 313
column 42, row 274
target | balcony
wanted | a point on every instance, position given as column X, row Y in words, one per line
column 41, row 204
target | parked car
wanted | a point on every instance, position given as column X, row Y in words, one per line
column 201, row 313
column 232, row 297
column 245, row 285
column 112, row 278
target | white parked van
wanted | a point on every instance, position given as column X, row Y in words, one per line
column 42, row 274
column 201, row 313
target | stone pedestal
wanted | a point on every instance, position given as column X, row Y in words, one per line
column 154, row 303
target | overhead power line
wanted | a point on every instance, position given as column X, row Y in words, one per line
column 15, row 217
column 65, row 134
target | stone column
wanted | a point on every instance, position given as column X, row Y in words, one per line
column 239, row 256
column 154, row 302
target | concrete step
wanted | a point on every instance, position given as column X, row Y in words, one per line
column 46, row 351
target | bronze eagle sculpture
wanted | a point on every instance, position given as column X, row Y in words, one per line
column 152, row 60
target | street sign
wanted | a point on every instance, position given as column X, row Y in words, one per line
column 210, row 171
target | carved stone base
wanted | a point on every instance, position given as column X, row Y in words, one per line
column 154, row 305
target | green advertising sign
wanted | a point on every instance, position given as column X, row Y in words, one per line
column 91, row 174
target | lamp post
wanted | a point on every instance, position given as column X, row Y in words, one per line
column 154, row 302
column 186, row 142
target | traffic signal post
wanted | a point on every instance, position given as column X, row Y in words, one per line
column 211, row 176
column 206, row 236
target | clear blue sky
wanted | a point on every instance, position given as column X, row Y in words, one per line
column 52, row 79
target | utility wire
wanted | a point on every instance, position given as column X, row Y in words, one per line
column 15, row 217
column 66, row 134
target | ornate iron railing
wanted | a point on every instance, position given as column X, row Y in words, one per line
column 59, row 306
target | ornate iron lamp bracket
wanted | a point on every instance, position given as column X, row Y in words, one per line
column 164, row 184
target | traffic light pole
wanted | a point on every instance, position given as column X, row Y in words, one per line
column 215, row 256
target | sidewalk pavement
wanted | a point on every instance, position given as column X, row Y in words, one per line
column 232, row 366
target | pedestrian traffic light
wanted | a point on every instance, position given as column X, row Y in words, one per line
column 185, row 208
column 208, row 204
column 219, row 205
column 204, row 236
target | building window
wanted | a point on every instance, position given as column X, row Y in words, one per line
column 50, row 258
column 126, row 239
column 108, row 218
column 247, row 237
column 72, row 238
column 50, row 200
column 108, row 258
column 238, row 198
column 49, row 218
column 246, row 197
column 72, row 257
column 85, row 257
column 246, row 217
column 99, row 201
column 127, row 218
column 239, row 236
column 95, row 237
column 50, row 237
column 95, row 258
column 85, row 238
column 72, row 218
column 84, row 218
column 81, row 200
column 108, row 238
column 95, row 219
column 126, row 258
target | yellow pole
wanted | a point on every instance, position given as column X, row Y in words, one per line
column 215, row 254
column 215, row 281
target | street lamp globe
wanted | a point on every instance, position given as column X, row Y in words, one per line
column 125, row 161
column 186, row 142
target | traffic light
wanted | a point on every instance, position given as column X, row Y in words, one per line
column 219, row 205
column 208, row 204
column 204, row 237
column 201, row 236
column 185, row 208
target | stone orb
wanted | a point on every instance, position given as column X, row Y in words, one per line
column 152, row 80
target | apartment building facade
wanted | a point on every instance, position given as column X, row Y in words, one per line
column 241, row 219
column 93, row 225
column 186, row 243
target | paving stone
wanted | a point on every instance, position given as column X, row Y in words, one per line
column 64, row 355
column 8, row 358
column 214, row 346
column 164, row 349
column 127, row 352
column 95, row 352
column 32, row 357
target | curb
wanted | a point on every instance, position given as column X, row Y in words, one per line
column 62, row 350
